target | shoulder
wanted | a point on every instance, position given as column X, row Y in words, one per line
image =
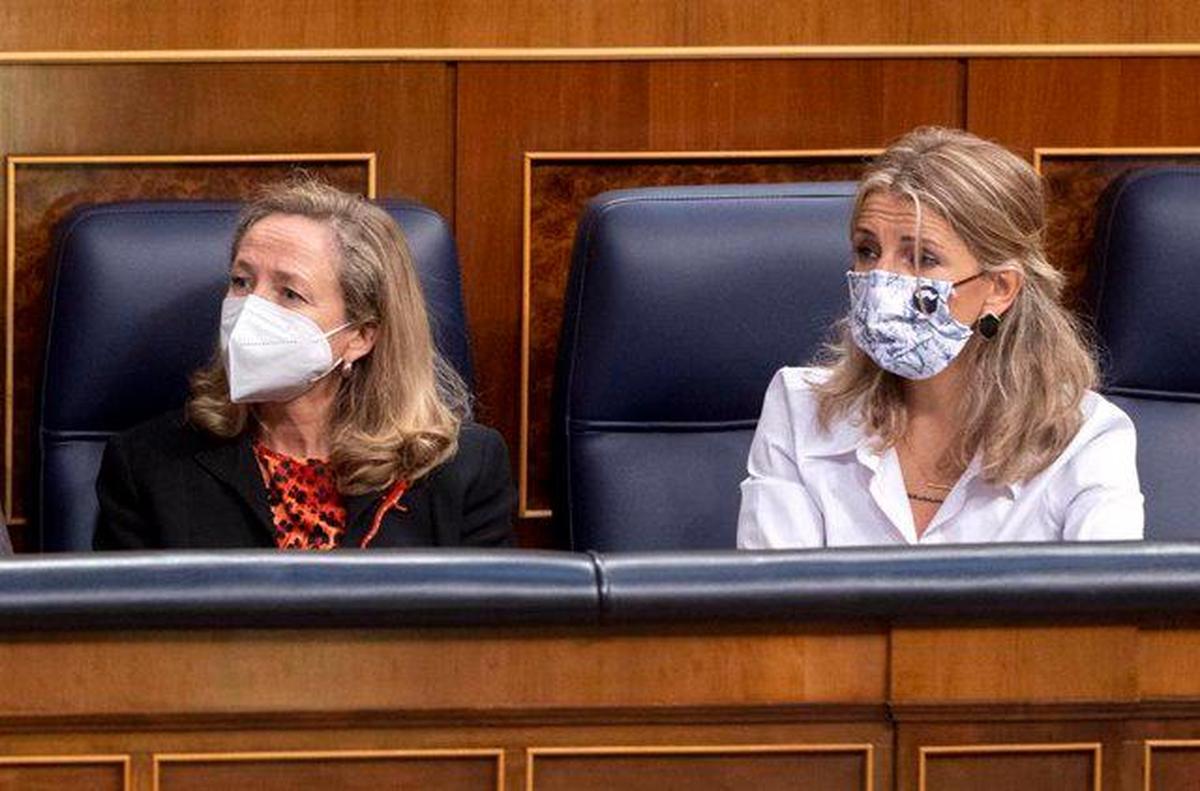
column 166, row 435
column 1105, row 445
column 1101, row 415
column 482, row 453
column 796, row 388
column 790, row 409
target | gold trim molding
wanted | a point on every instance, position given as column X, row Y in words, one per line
column 1001, row 749
column 328, row 755
column 868, row 751
column 58, row 760
column 1042, row 154
column 1151, row 745
column 533, row 158
column 520, row 54
column 14, row 161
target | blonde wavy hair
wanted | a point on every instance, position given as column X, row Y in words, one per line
column 1020, row 404
column 397, row 415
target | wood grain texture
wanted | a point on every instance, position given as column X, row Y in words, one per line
column 232, row 671
column 1028, row 103
column 1070, row 770
column 281, row 773
column 128, row 24
column 507, row 110
column 766, row 771
column 1173, row 767
column 1035, row 664
column 1163, row 654
column 56, row 776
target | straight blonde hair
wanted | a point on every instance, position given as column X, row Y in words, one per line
column 397, row 415
column 1020, row 405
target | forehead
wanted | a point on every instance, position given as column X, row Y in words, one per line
column 884, row 211
column 290, row 242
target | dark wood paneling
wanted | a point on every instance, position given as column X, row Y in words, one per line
column 1028, row 103
column 1011, row 771
column 471, row 773
column 56, row 776
column 506, row 110
column 401, row 112
column 172, row 24
column 1174, row 767
column 764, row 771
column 559, row 189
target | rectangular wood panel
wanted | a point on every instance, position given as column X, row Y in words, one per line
column 765, row 767
column 465, row 770
column 432, row 670
column 1031, row 103
column 128, row 24
column 1011, row 767
column 1029, row 664
column 51, row 773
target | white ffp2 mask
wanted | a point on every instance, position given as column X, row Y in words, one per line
column 271, row 353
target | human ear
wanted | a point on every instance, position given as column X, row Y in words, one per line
column 360, row 342
column 1006, row 285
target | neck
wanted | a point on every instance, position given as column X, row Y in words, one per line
column 936, row 398
column 299, row 427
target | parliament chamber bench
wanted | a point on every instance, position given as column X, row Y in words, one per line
column 1006, row 666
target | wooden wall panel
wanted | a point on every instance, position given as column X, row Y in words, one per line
column 174, row 24
column 1031, row 103
column 401, row 112
column 461, row 771
column 1041, row 664
column 1013, row 768
column 50, row 773
column 508, row 110
column 651, row 769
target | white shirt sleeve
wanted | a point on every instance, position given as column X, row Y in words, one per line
column 1099, row 485
column 777, row 510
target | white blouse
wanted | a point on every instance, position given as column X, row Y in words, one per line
column 809, row 488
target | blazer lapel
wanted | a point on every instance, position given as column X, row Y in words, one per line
column 359, row 513
column 233, row 464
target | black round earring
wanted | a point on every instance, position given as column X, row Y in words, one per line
column 988, row 325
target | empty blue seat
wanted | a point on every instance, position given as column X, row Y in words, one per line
column 135, row 308
column 682, row 302
column 1141, row 292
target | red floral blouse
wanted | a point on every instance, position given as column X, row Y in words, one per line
column 304, row 500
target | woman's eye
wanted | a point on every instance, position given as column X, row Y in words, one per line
column 239, row 283
column 292, row 295
column 864, row 253
column 928, row 260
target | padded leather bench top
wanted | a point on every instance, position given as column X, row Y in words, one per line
column 381, row 588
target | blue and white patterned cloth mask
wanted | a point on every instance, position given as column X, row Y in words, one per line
column 903, row 323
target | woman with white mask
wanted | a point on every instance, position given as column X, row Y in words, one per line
column 326, row 419
column 957, row 403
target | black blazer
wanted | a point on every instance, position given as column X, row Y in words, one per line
column 167, row 485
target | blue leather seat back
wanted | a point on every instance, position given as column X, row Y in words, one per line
column 1141, row 292
column 135, row 308
column 682, row 303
